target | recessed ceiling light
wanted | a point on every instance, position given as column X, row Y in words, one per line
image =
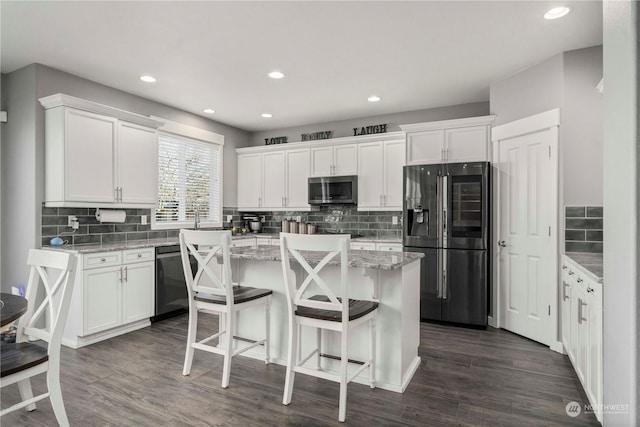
column 276, row 75
column 266, row 115
column 209, row 111
column 148, row 79
column 556, row 12
column 373, row 98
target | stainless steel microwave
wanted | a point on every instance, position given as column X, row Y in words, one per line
column 339, row 190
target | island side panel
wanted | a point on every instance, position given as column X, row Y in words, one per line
column 394, row 356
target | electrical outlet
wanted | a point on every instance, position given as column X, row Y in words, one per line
column 143, row 219
column 394, row 220
column 72, row 221
column 229, row 218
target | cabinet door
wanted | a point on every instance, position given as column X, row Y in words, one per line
column 582, row 353
column 394, row 156
column 594, row 363
column 321, row 161
column 137, row 163
column 345, row 159
column 137, row 291
column 425, row 147
column 90, row 144
column 389, row 247
column 273, row 179
column 363, row 246
column 297, row 179
column 466, row 144
column 101, row 299
column 249, row 180
column 370, row 178
column 565, row 295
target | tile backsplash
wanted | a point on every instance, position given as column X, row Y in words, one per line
column 583, row 229
column 346, row 219
column 328, row 219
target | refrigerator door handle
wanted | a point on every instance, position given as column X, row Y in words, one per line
column 439, row 252
column 445, row 202
column 445, row 286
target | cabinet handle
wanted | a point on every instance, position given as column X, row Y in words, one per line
column 120, row 275
column 564, row 267
column 259, row 201
column 390, row 249
column 579, row 280
column 120, row 193
column 126, row 274
column 571, row 273
column 589, row 290
column 286, row 201
column 103, row 259
column 381, row 200
column 115, row 193
column 565, row 285
column 580, row 305
column 139, row 255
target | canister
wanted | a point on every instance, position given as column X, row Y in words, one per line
column 311, row 229
column 302, row 228
column 285, row 225
column 293, row 227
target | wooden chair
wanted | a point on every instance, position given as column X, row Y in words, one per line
column 23, row 359
column 211, row 291
column 311, row 302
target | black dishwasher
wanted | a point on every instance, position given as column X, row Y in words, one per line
column 171, row 288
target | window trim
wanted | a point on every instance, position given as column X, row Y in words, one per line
column 174, row 129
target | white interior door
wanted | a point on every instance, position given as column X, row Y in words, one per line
column 527, row 232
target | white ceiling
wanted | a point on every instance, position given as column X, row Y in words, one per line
column 415, row 55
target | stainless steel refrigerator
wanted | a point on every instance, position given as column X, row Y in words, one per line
column 446, row 217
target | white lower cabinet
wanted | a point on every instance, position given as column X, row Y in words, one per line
column 113, row 294
column 582, row 328
column 376, row 246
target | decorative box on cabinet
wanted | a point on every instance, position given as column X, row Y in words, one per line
column 380, row 175
column 582, row 328
column 449, row 141
column 93, row 155
column 113, row 294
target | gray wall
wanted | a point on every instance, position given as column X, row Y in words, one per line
column 345, row 127
column 20, row 175
column 621, row 195
column 531, row 91
column 23, row 153
column 581, row 127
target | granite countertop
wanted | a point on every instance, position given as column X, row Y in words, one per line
column 591, row 262
column 359, row 259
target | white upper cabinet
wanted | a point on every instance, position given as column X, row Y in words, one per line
column 380, row 175
column 137, row 161
column 449, row 141
column 273, row 180
column 249, row 180
column 98, row 156
column 334, row 160
column 298, row 171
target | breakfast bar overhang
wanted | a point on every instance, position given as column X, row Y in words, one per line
column 391, row 278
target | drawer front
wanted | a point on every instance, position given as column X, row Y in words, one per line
column 138, row 255
column 102, row 259
column 364, row 246
column 243, row 242
column 389, row 247
column 263, row 241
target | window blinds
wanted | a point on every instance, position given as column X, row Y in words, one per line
column 188, row 178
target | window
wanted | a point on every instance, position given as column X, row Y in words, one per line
column 189, row 178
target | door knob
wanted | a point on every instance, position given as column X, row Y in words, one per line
column 502, row 243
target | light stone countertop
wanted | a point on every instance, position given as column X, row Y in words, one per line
column 591, row 262
column 357, row 258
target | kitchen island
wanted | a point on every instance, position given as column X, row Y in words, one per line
column 391, row 278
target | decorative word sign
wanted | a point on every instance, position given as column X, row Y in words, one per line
column 369, row 130
column 276, row 140
column 325, row 134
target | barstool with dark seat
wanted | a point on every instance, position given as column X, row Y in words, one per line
column 311, row 302
column 210, row 290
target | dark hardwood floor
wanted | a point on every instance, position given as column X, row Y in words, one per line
column 467, row 378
